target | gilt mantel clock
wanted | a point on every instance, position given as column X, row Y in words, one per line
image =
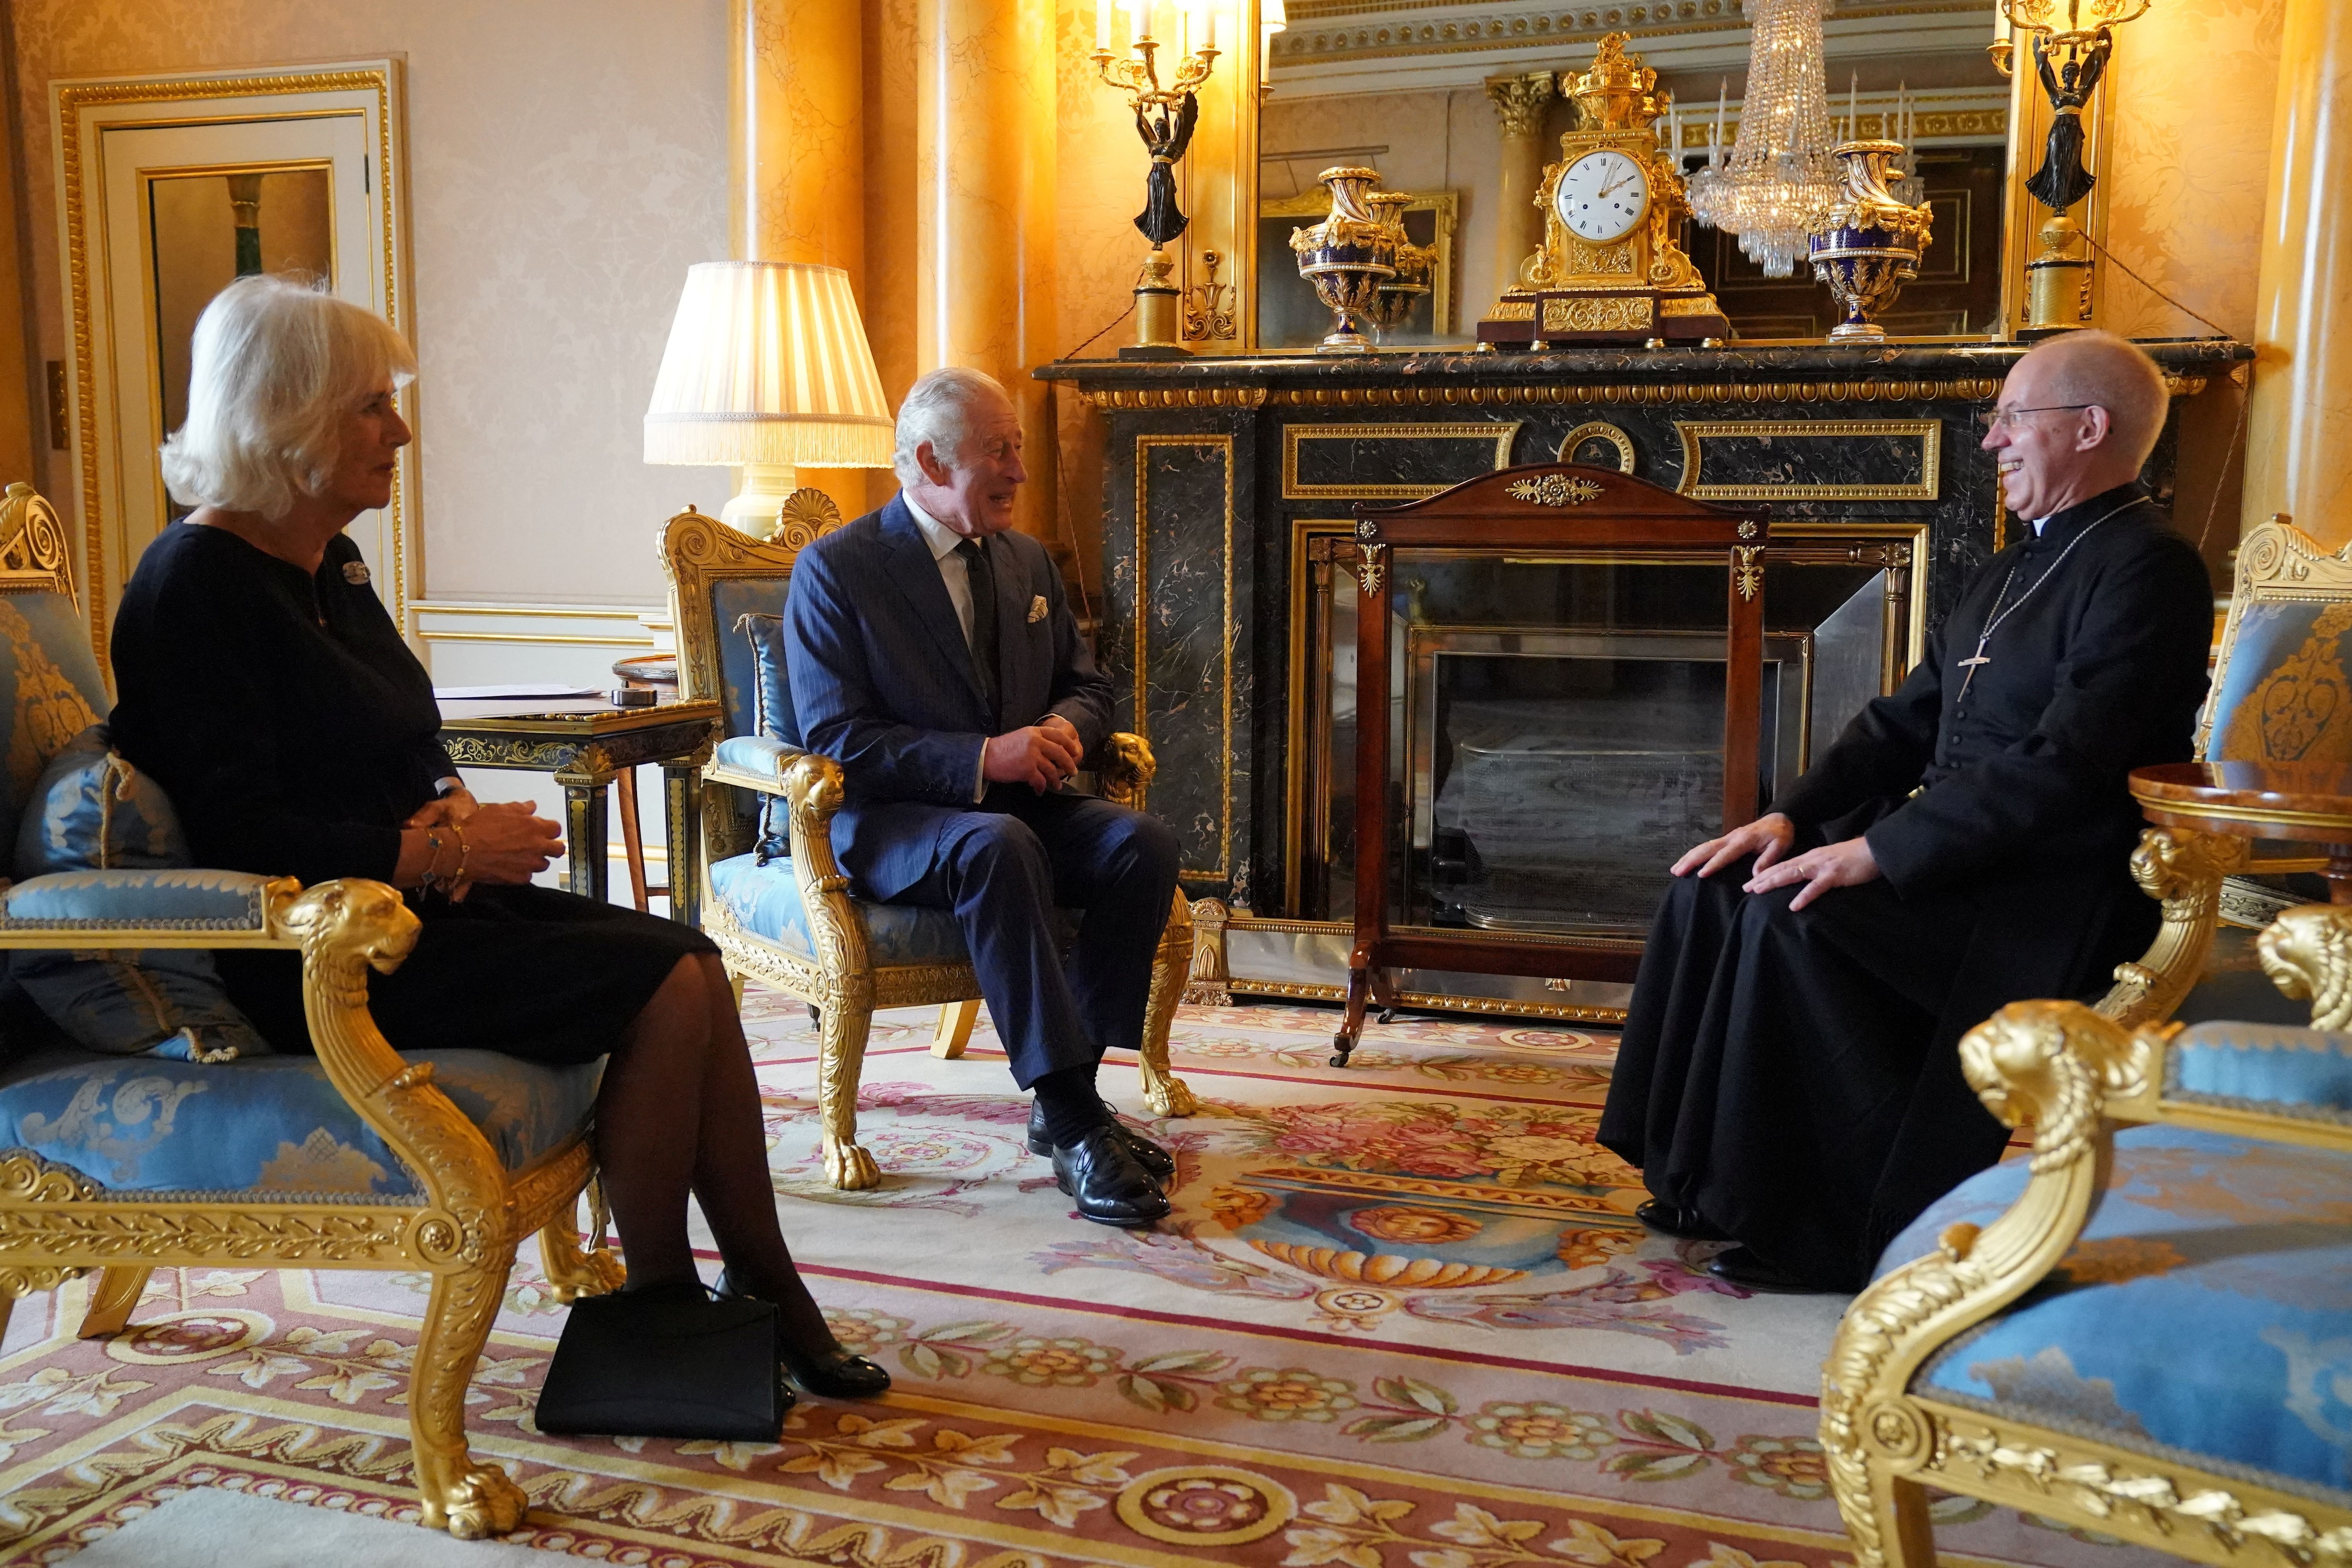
column 1609, row 270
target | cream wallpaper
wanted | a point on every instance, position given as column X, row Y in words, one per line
column 567, row 161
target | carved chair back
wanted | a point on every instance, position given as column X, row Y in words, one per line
column 2281, row 692
column 718, row 575
column 58, row 690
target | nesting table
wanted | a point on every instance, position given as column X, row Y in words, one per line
column 586, row 744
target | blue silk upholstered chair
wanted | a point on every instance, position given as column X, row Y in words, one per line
column 2144, row 1328
column 789, row 922
column 353, row 1158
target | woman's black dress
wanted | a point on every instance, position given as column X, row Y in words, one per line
column 294, row 732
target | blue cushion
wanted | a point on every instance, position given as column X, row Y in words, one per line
column 92, row 809
column 101, row 900
column 2205, row 1317
column 766, row 902
column 2278, row 1068
column 58, row 691
column 773, row 718
column 273, row 1126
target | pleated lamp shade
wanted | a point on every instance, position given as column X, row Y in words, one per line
column 766, row 364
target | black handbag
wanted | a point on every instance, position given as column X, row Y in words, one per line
column 667, row 1362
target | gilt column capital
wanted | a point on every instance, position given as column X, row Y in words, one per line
column 1519, row 98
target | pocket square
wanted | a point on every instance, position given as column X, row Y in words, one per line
column 1036, row 609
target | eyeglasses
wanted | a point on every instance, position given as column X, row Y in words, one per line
column 2011, row 419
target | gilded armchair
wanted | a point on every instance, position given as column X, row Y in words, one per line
column 792, row 923
column 355, row 1158
column 2281, row 693
column 2147, row 1333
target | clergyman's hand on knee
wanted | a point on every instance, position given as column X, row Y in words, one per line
column 1767, row 838
column 1040, row 756
column 1845, row 864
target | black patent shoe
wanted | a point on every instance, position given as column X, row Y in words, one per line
column 1738, row 1266
column 1156, row 1163
column 1107, row 1183
column 1682, row 1223
column 832, row 1374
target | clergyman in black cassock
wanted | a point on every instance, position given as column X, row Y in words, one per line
column 1791, row 1075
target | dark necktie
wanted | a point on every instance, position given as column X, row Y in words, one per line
column 980, row 577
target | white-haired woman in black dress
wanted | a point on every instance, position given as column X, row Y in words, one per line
column 264, row 686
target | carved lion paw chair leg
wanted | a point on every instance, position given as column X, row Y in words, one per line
column 2280, row 682
column 121, row 1156
column 2146, row 1333
column 779, row 905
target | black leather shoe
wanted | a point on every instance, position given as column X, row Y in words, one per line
column 1109, row 1186
column 835, row 1373
column 1682, row 1223
column 1738, row 1266
column 1156, row 1163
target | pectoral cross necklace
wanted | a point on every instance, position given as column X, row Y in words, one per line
column 1999, row 614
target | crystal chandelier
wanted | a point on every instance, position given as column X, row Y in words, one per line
column 1780, row 182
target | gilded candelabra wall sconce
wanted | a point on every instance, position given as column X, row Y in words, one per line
column 2070, row 61
column 1164, row 118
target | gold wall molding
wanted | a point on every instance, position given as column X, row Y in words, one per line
column 1599, row 430
column 1694, row 434
column 1293, row 436
column 71, row 101
column 528, row 625
column 1223, row 446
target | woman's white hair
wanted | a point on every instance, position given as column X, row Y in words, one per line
column 937, row 409
column 277, row 367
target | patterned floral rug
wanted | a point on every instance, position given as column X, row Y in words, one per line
column 1401, row 1319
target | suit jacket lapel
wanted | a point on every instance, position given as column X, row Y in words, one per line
column 915, row 573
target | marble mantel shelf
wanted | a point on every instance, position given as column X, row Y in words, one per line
column 1795, row 372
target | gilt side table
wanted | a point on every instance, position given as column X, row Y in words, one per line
column 2257, row 800
column 587, row 744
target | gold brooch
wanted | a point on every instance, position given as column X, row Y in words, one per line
column 1036, row 609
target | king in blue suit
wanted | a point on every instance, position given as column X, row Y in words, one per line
column 933, row 654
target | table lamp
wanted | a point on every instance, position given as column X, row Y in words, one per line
column 767, row 370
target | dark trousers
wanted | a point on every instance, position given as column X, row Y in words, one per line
column 1006, row 869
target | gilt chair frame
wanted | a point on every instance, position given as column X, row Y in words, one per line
column 2072, row 1075
column 57, row 1224
column 2277, row 562
column 842, row 982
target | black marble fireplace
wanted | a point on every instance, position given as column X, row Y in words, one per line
column 1227, row 498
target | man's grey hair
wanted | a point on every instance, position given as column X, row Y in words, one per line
column 2101, row 370
column 277, row 367
column 938, row 408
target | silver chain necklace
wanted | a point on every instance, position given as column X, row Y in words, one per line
column 1992, row 622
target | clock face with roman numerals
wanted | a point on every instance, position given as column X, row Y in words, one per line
column 1602, row 197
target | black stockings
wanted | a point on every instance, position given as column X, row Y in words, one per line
column 679, row 1112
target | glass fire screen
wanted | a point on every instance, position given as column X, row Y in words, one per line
column 1561, row 726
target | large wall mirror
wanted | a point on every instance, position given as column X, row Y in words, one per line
column 1460, row 107
column 174, row 188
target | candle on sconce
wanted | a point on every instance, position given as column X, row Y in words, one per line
column 1714, row 143
column 1142, row 10
column 1102, row 26
column 1209, row 27
column 1854, row 106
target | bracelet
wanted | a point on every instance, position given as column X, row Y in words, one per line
column 433, row 844
column 458, row 879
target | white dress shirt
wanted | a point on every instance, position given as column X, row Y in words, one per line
column 956, row 573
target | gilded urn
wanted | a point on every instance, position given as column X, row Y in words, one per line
column 1873, row 244
column 1347, row 257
